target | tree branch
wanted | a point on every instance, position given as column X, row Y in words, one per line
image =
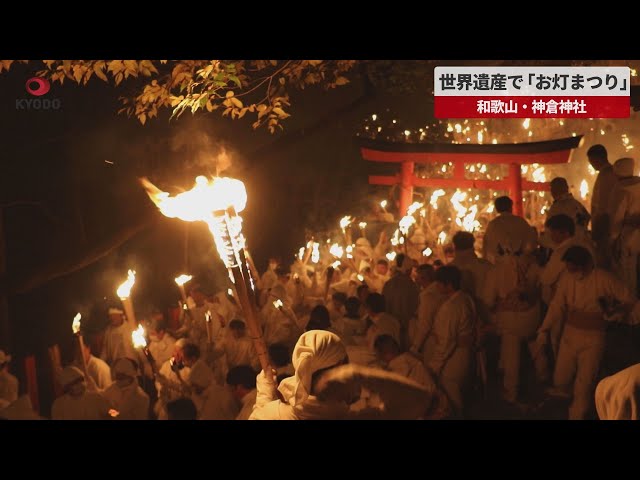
column 77, row 260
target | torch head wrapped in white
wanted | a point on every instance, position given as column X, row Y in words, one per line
column 278, row 304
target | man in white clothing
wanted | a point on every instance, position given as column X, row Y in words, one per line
column 161, row 344
column 600, row 200
column 172, row 379
column 564, row 203
column 380, row 322
column 117, row 338
column 401, row 297
column 125, row 395
column 587, row 297
column 562, row 233
column 8, row 383
column 506, row 232
column 77, row 403
column 625, row 224
column 512, row 292
column 98, row 370
column 474, row 271
column 453, row 330
column 429, row 302
column 242, row 381
column 405, row 364
column 213, row 401
column 238, row 347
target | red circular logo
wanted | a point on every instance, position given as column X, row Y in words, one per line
column 41, row 85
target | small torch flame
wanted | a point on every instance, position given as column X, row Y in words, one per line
column 383, row 204
column 207, row 316
column 230, row 292
column 362, row 225
column 336, row 250
column 75, row 326
column 124, row 290
column 182, row 279
column 301, row 253
column 391, row 256
column 427, row 252
column 584, row 189
column 361, row 278
column 137, row 336
column 278, row 304
column 335, row 264
column 315, row 252
column 345, row 222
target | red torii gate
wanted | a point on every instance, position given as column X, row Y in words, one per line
column 512, row 154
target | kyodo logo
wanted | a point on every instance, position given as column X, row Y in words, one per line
column 37, row 87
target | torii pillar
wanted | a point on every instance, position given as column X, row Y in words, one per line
column 513, row 154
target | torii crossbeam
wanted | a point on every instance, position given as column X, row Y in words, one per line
column 513, row 154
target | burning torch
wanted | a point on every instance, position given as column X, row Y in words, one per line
column 75, row 326
column 138, row 337
column 216, row 202
column 124, row 292
column 181, row 280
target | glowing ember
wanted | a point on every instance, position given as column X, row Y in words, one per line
column 442, row 238
column 335, row 264
column 278, row 304
column 75, row 326
column 182, row 279
column 207, row 316
column 360, row 277
column 383, row 204
column 138, row 337
column 124, row 290
column 391, row 256
column 230, row 292
column 584, row 189
column 427, row 252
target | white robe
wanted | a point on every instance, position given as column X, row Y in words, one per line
column 408, row 366
column 430, row 301
column 88, row 406
column 215, row 403
column 555, row 267
column 162, row 350
column 508, row 231
column 569, row 206
column 474, row 273
column 240, row 351
column 132, row 402
column 100, row 372
column 117, row 343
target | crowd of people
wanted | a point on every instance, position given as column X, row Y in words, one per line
column 546, row 296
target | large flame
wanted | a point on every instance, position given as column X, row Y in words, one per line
column 209, row 201
column 182, row 279
column 124, row 290
column 434, row 197
column 137, row 337
column 75, row 326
